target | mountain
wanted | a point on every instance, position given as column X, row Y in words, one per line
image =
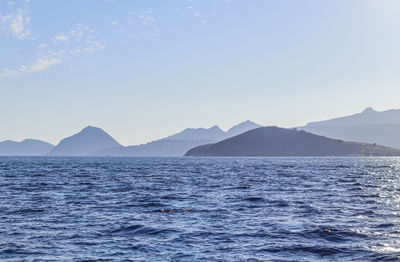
column 241, row 128
column 369, row 126
column 87, row 141
column 210, row 134
column 367, row 117
column 180, row 143
column 274, row 141
column 28, row 147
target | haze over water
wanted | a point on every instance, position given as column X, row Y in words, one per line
column 199, row 209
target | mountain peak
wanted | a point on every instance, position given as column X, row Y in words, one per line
column 215, row 127
column 89, row 128
column 88, row 140
column 242, row 127
column 368, row 110
column 8, row 141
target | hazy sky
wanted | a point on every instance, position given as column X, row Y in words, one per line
column 142, row 70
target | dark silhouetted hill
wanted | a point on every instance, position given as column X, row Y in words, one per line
column 28, row 147
column 274, row 141
column 370, row 126
column 87, row 141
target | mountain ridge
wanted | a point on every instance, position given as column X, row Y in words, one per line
column 179, row 143
column 368, row 116
column 369, row 126
column 27, row 147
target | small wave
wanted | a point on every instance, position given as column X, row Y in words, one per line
column 138, row 230
column 342, row 166
column 378, row 166
column 254, row 199
column 239, row 187
column 180, row 210
column 14, row 249
column 26, row 211
column 308, row 209
column 169, row 197
column 333, row 234
column 279, row 203
column 318, row 250
column 146, row 204
column 385, row 225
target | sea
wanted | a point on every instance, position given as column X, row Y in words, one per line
column 199, row 209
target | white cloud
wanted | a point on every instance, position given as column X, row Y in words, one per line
column 60, row 38
column 7, row 73
column 75, row 51
column 15, row 23
column 114, row 22
column 146, row 19
column 77, row 33
column 43, row 64
column 78, row 41
column 40, row 64
column 42, row 46
column 93, row 47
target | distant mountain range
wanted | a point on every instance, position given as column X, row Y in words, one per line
column 369, row 126
column 274, row 141
column 180, row 143
column 28, row 147
column 93, row 141
column 214, row 133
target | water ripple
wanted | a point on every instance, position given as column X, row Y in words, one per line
column 199, row 209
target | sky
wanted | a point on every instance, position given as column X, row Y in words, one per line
column 143, row 70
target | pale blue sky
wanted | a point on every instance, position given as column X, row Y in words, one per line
column 142, row 70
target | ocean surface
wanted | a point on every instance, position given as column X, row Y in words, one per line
column 199, row 209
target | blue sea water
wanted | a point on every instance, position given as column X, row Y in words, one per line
column 199, row 209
